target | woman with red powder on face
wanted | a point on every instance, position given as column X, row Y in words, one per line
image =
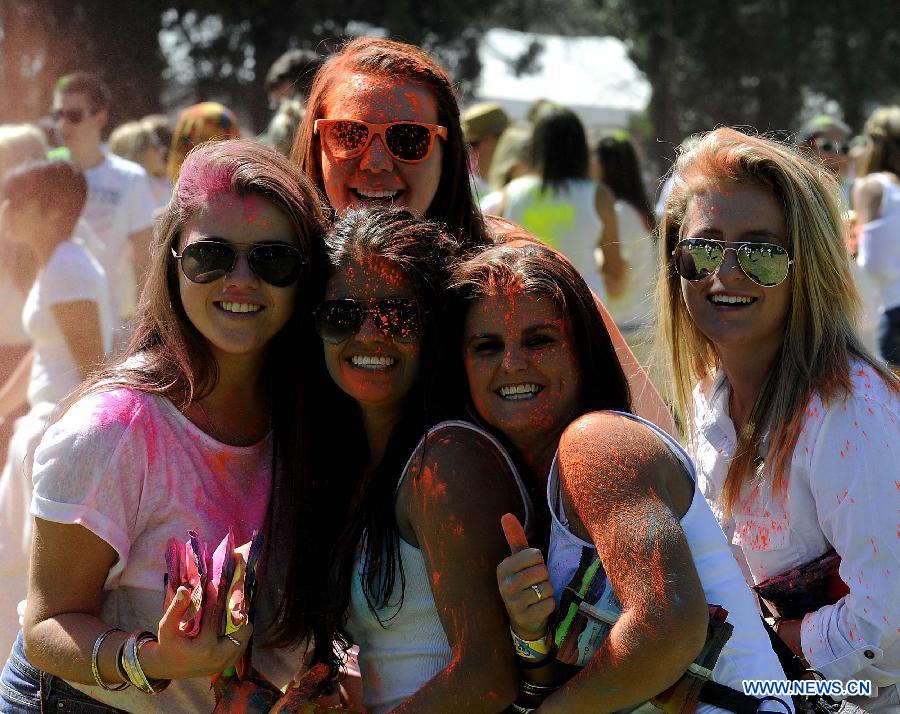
column 411, row 502
column 180, row 433
column 794, row 426
column 382, row 128
column 633, row 552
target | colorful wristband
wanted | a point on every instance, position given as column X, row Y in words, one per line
column 531, row 649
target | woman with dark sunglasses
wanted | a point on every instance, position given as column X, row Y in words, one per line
column 382, row 128
column 185, row 430
column 411, row 502
column 793, row 426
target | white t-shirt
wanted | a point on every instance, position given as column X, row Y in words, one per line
column 132, row 469
column 566, row 220
column 120, row 202
column 842, row 493
column 71, row 275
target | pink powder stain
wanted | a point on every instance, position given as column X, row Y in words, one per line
column 841, row 497
column 874, row 547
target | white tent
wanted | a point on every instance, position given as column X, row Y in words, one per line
column 591, row 75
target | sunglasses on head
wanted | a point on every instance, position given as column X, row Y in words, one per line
column 338, row 320
column 766, row 264
column 407, row 141
column 73, row 116
column 206, row 261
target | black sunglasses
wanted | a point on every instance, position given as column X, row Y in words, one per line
column 398, row 318
column 766, row 264
column 206, row 261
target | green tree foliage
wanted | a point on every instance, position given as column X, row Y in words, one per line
column 751, row 62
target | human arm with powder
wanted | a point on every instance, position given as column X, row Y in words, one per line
column 629, row 509
column 461, row 541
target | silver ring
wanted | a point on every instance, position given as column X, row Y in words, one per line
column 234, row 640
column 537, row 591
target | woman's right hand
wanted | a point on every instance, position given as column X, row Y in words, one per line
column 177, row 657
column 521, row 577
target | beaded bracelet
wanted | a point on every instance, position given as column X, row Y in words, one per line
column 131, row 664
column 95, row 667
column 531, row 649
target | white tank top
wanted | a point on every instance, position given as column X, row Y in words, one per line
column 566, row 220
column 398, row 655
column 573, row 565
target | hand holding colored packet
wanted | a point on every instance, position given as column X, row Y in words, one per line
column 231, row 570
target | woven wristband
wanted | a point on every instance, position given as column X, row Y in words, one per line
column 95, row 666
column 531, row 649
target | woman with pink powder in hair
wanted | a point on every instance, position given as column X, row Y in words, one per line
column 180, row 433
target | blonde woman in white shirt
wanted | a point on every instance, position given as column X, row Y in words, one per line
column 794, row 426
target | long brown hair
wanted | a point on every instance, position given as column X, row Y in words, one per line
column 820, row 338
column 175, row 359
column 454, row 203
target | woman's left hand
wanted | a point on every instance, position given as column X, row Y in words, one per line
column 524, row 583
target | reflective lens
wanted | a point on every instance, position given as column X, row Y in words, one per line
column 766, row 264
column 338, row 320
column 406, row 141
column 205, row 261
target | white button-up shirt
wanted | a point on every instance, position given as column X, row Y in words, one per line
column 843, row 491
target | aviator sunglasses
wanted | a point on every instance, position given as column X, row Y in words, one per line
column 338, row 320
column 766, row 264
column 410, row 142
column 206, row 261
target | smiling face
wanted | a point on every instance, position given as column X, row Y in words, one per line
column 522, row 366
column 239, row 313
column 370, row 366
column 732, row 311
column 375, row 177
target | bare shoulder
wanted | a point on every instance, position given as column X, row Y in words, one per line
column 609, row 452
column 604, row 198
column 458, row 456
column 867, row 195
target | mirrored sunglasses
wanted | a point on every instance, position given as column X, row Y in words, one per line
column 407, row 141
column 205, row 261
column 338, row 320
column 766, row 264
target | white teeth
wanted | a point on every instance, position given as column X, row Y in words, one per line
column 372, row 362
column 519, row 391
column 732, row 299
column 239, row 307
column 366, row 193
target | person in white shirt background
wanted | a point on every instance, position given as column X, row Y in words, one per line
column 793, row 425
column 876, row 199
column 120, row 203
column 18, row 143
column 68, row 321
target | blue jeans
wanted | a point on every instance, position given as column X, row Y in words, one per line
column 25, row 689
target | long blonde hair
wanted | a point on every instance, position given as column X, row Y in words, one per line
column 820, row 337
